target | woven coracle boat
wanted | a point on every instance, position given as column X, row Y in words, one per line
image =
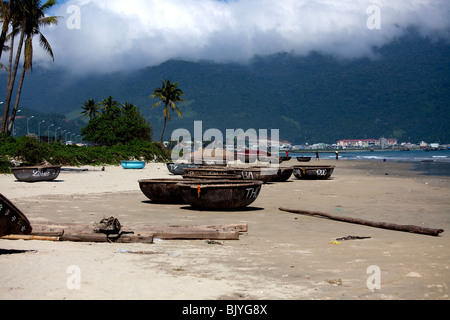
column 282, row 175
column 209, row 170
column 161, row 190
column 263, row 174
column 36, row 174
column 12, row 220
column 313, row 172
column 220, row 194
column 178, row 168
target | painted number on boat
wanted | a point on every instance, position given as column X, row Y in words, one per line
column 247, row 175
column 253, row 193
column 322, row 172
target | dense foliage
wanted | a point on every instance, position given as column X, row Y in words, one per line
column 117, row 125
column 29, row 151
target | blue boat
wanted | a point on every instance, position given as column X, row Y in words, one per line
column 133, row 164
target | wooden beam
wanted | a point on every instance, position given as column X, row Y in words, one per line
column 383, row 225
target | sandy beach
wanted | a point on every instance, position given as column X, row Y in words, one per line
column 283, row 256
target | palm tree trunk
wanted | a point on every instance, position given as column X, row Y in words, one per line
column 16, row 104
column 164, row 128
column 10, row 86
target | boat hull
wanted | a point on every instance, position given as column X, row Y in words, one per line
column 161, row 190
column 12, row 220
column 178, row 168
column 313, row 172
column 221, row 194
column 36, row 174
column 133, row 164
column 282, row 175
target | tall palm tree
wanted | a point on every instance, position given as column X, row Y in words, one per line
column 90, row 109
column 168, row 94
column 28, row 23
column 111, row 106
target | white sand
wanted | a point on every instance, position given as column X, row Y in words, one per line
column 283, row 256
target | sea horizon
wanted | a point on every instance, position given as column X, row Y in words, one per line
column 425, row 162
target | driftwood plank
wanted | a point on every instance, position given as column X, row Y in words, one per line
column 29, row 237
column 98, row 237
column 382, row 225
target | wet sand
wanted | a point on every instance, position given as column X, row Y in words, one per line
column 283, row 256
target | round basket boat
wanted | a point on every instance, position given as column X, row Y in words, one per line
column 303, row 159
column 178, row 168
column 282, row 175
column 313, row 172
column 254, row 173
column 36, row 174
column 161, row 190
column 212, row 177
column 12, row 220
column 209, row 170
column 220, row 194
column 133, row 164
column 284, row 158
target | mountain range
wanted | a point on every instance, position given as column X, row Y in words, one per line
column 402, row 92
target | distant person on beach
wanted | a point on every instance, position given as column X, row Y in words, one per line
column 317, row 156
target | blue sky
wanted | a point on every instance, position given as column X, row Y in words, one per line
column 117, row 34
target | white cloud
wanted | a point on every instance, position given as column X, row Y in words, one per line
column 117, row 35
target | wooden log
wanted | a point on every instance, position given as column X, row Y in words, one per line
column 382, row 225
column 211, row 232
column 29, row 238
column 100, row 238
column 49, row 233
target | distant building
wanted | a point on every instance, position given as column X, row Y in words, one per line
column 366, row 143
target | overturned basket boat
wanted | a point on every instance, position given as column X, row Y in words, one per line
column 36, row 174
column 220, row 194
column 212, row 177
column 263, row 174
column 12, row 220
column 178, row 168
column 131, row 164
column 209, row 170
column 284, row 158
column 313, row 172
column 282, row 175
column 161, row 190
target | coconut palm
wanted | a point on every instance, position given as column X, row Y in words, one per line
column 28, row 19
column 168, row 94
column 90, row 109
column 109, row 105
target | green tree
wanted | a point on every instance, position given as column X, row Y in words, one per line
column 27, row 17
column 168, row 94
column 117, row 125
column 90, row 109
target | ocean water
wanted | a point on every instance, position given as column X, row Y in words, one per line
column 427, row 162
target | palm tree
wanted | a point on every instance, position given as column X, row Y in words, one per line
column 168, row 94
column 28, row 20
column 109, row 105
column 90, row 109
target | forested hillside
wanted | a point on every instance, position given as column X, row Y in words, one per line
column 403, row 93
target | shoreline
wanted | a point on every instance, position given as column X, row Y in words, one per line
column 283, row 256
